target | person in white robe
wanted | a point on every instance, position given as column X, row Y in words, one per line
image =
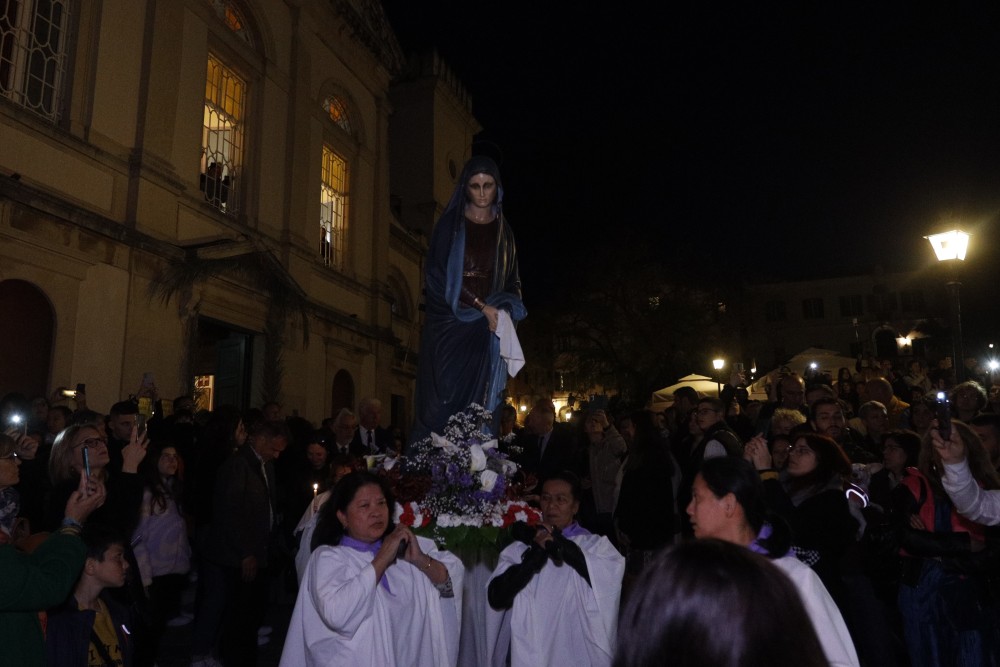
column 727, row 503
column 373, row 595
column 554, row 594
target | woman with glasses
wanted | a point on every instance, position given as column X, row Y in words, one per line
column 82, row 450
column 809, row 495
column 728, row 504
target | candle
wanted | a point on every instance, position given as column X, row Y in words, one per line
column 315, row 490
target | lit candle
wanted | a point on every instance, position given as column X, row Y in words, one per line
column 315, row 491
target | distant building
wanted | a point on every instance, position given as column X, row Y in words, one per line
column 203, row 190
column 862, row 314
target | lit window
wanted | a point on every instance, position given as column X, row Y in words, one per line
column 337, row 108
column 222, row 136
column 333, row 209
column 32, row 53
column 232, row 17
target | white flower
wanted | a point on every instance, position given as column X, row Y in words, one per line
column 440, row 441
column 488, row 479
column 509, row 467
column 397, row 513
column 492, row 444
column 520, row 516
column 478, row 458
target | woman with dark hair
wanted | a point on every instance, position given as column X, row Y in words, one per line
column 708, row 603
column 373, row 593
column 161, row 545
column 948, row 617
column 728, row 504
column 900, row 450
column 643, row 526
column 809, row 495
column 473, row 293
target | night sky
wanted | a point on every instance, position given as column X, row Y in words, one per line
column 782, row 142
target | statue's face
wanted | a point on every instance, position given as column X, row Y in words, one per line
column 481, row 190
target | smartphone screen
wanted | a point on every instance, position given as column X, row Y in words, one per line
column 86, row 461
column 943, row 415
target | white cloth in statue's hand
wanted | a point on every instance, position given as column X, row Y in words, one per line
column 510, row 346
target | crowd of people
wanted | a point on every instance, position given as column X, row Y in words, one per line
column 863, row 505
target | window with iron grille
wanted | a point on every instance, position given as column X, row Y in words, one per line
column 333, row 209
column 33, row 53
column 222, row 136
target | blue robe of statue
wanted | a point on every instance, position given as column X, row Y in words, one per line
column 460, row 359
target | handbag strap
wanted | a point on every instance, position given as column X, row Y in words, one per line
column 102, row 650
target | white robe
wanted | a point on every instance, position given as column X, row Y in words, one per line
column 558, row 620
column 305, row 530
column 823, row 612
column 344, row 617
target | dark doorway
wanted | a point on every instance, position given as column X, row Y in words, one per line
column 25, row 338
column 885, row 344
column 342, row 394
column 225, row 353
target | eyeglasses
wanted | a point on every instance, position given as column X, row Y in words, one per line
column 90, row 442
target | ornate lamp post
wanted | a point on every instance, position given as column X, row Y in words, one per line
column 950, row 247
column 717, row 364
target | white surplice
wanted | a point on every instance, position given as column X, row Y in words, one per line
column 558, row 620
column 344, row 617
column 823, row 612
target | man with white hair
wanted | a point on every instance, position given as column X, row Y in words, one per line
column 371, row 437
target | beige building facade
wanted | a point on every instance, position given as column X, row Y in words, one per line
column 201, row 189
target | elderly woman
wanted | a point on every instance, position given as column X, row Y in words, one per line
column 728, row 504
column 472, row 283
column 373, row 593
column 554, row 595
column 947, row 619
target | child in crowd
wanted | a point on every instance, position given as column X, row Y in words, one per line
column 90, row 628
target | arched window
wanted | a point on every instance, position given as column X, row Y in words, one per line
column 233, row 18
column 339, row 112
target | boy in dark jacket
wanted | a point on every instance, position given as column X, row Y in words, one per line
column 90, row 628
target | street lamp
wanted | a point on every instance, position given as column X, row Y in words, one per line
column 717, row 364
column 951, row 247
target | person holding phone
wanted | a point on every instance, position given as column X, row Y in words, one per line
column 945, row 560
column 373, row 592
column 963, row 466
column 41, row 578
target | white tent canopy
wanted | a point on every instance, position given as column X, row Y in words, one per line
column 827, row 361
column 664, row 398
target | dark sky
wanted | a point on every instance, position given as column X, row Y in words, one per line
column 799, row 140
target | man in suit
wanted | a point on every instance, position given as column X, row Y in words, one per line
column 371, row 437
column 238, row 548
column 345, row 435
column 544, row 448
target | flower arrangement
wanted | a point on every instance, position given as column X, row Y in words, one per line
column 457, row 490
